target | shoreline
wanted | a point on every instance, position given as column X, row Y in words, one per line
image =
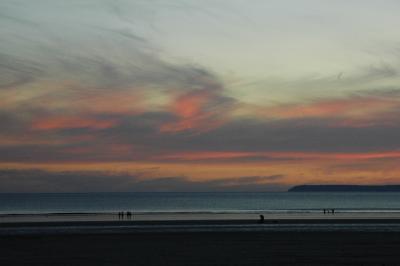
column 196, row 217
column 195, row 226
column 204, row 222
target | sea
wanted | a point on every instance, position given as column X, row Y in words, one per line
column 229, row 210
column 197, row 202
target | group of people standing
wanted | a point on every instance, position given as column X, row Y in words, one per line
column 122, row 215
column 329, row 211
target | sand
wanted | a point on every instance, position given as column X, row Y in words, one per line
column 208, row 242
column 194, row 248
column 174, row 216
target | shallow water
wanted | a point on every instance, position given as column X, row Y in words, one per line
column 203, row 204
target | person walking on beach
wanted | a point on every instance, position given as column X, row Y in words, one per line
column 261, row 219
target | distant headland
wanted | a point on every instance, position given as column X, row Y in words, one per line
column 345, row 188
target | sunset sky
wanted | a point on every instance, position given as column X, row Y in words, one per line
column 230, row 95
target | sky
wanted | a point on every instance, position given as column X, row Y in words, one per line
column 228, row 95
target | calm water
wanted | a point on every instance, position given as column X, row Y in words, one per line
column 198, row 202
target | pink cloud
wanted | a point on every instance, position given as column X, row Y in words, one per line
column 71, row 122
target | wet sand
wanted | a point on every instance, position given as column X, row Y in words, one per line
column 202, row 248
column 176, row 216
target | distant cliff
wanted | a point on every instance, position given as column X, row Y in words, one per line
column 345, row 188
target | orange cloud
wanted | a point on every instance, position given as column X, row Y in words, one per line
column 192, row 156
column 190, row 105
column 66, row 122
column 349, row 112
column 193, row 113
column 293, row 171
column 66, row 96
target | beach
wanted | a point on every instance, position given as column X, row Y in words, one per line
column 203, row 248
column 172, row 231
column 202, row 242
column 198, row 216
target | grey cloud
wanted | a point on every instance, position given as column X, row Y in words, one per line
column 34, row 153
column 142, row 133
column 384, row 70
column 246, row 180
column 270, row 183
column 92, row 57
column 256, row 135
column 43, row 181
column 299, row 135
column 128, row 61
column 11, row 123
column 92, row 52
column 378, row 76
column 15, row 71
column 13, row 19
column 387, row 93
column 32, row 180
column 127, row 33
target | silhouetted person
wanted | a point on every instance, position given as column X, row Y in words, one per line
column 333, row 211
column 128, row 215
column 324, row 211
column 261, row 219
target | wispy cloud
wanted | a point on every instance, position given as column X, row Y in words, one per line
column 131, row 81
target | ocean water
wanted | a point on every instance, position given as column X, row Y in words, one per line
column 192, row 203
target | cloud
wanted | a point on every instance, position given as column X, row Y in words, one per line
column 32, row 180
column 62, row 81
column 198, row 111
column 284, row 156
column 251, row 183
column 67, row 122
column 96, row 83
column 297, row 135
column 16, row 72
column 11, row 123
column 234, row 140
column 361, row 109
column 91, row 56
